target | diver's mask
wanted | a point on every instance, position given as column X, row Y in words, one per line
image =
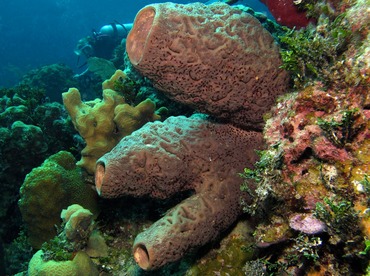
column 84, row 48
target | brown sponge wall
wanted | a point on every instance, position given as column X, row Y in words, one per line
column 165, row 158
column 214, row 58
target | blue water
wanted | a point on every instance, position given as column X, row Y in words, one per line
column 36, row 33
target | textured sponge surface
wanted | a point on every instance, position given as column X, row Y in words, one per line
column 215, row 58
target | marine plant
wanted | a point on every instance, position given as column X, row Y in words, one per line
column 57, row 249
column 366, row 250
column 315, row 53
column 263, row 175
column 339, row 216
column 303, row 251
column 127, row 87
column 343, row 131
column 366, row 188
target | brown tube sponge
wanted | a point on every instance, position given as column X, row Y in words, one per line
column 162, row 159
column 214, row 58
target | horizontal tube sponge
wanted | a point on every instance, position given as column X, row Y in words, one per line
column 214, row 58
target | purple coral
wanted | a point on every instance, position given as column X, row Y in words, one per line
column 307, row 223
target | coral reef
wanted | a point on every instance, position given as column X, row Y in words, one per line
column 47, row 190
column 191, row 53
column 315, row 169
column 53, row 79
column 307, row 197
column 317, row 151
column 102, row 123
column 162, row 159
column 31, row 129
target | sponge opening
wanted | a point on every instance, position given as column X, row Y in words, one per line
column 141, row 256
column 138, row 36
column 99, row 176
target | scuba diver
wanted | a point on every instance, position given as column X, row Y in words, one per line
column 104, row 48
column 102, row 44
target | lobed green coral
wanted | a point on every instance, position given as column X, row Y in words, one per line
column 80, row 264
column 56, row 184
column 31, row 129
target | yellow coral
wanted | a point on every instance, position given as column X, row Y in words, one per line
column 117, row 76
column 129, row 118
column 103, row 123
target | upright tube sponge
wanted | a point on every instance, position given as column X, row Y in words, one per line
column 215, row 58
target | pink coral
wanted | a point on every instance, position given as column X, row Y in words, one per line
column 307, row 223
column 287, row 13
column 295, row 127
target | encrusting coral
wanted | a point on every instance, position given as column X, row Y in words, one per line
column 102, row 123
column 232, row 74
column 48, row 189
column 316, row 166
column 215, row 58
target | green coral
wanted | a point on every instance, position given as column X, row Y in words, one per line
column 341, row 132
column 128, row 88
column 52, row 79
column 340, row 217
column 80, row 264
column 17, row 254
column 56, row 184
column 265, row 173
